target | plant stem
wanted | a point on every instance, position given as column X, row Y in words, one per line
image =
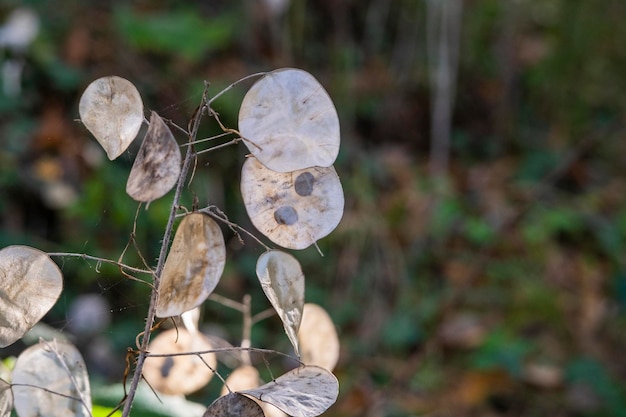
column 247, row 77
column 99, row 260
column 247, row 330
column 167, row 236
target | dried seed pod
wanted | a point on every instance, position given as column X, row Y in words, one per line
column 290, row 121
column 183, row 374
column 6, row 399
column 247, row 377
column 241, row 378
column 282, row 281
column 306, row 391
column 317, row 337
column 293, row 209
column 193, row 266
column 31, row 284
column 112, row 110
column 234, row 404
column 157, row 165
column 50, row 379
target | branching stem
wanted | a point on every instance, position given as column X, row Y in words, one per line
column 231, row 86
column 98, row 259
column 167, row 236
column 223, row 145
column 221, row 135
column 218, row 214
column 247, row 330
column 222, row 350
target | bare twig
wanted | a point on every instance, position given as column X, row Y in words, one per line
column 248, row 319
column 132, row 235
column 265, row 314
column 227, row 302
column 167, row 236
column 179, row 128
column 221, row 135
column 222, row 350
column 247, row 330
column 49, row 391
column 223, row 145
column 231, row 86
column 219, row 215
column 100, row 260
column 225, row 129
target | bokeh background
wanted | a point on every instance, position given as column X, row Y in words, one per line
column 479, row 267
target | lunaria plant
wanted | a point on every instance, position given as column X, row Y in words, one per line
column 290, row 122
column 112, row 110
column 293, row 197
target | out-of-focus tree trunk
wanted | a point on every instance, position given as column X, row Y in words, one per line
column 507, row 68
column 443, row 35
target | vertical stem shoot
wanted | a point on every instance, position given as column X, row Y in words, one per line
column 247, row 330
column 167, row 236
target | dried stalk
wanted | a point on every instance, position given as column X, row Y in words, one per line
column 167, row 236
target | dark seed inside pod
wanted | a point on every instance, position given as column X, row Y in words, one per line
column 304, row 184
column 286, row 215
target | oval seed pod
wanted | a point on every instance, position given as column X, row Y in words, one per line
column 183, row 374
column 241, row 378
column 112, row 110
column 290, row 121
column 282, row 281
column 306, row 391
column 234, row 404
column 50, row 379
column 317, row 337
column 157, row 165
column 193, row 266
column 293, row 209
column 247, row 377
column 6, row 399
column 31, row 284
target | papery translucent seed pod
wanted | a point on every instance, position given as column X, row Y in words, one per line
column 6, row 399
column 317, row 337
column 182, row 374
column 293, row 209
column 157, row 165
column 241, row 378
column 234, row 404
column 306, row 391
column 193, row 266
column 282, row 281
column 30, row 286
column 247, row 377
column 290, row 122
column 112, row 110
column 50, row 379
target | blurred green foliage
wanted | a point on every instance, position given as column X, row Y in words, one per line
column 502, row 350
column 183, row 33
